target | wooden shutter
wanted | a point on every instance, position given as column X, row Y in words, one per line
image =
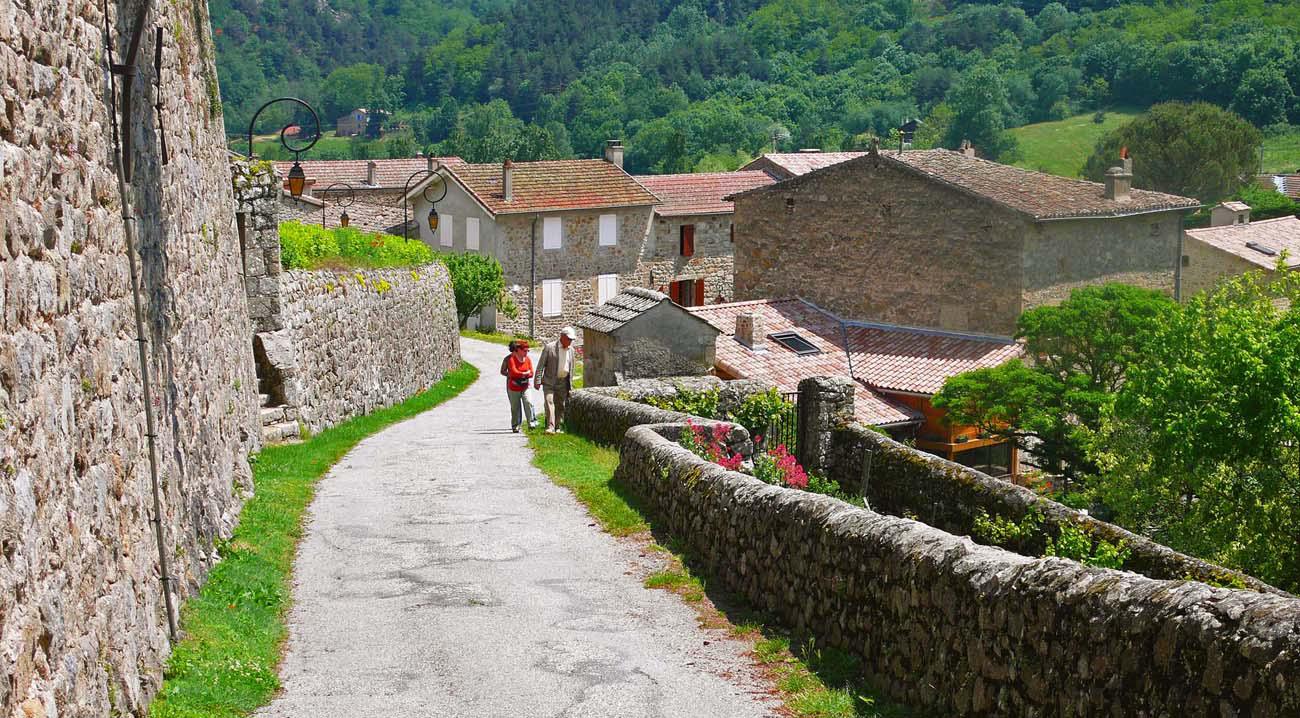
column 688, row 240
column 675, row 291
column 699, row 293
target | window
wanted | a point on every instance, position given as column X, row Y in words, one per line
column 471, row 233
column 551, row 230
column 733, row 232
column 994, row 460
column 552, row 297
column 795, row 343
column 687, row 240
column 687, row 292
column 444, row 229
column 606, row 287
column 608, row 230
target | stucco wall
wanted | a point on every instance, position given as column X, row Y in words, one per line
column 956, row 628
column 81, row 605
column 1063, row 255
column 880, row 243
column 357, row 341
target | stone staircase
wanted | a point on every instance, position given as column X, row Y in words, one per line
column 279, row 423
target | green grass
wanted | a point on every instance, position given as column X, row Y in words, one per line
column 225, row 665
column 1062, row 147
column 495, row 337
column 814, row 683
column 1281, row 153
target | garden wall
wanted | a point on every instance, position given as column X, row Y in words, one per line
column 956, row 628
column 604, row 414
column 359, row 340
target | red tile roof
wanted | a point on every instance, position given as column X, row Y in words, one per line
column 1275, row 235
column 389, row 174
column 364, row 216
column 552, row 185
column 700, row 193
column 1288, row 184
column 799, row 163
column 1036, row 194
column 885, row 357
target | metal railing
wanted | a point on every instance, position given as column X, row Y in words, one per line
column 784, row 428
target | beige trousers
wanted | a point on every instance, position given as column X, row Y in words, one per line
column 554, row 399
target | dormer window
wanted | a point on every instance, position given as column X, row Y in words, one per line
column 795, row 343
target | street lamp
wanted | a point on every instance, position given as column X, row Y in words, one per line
column 346, row 199
column 297, row 177
column 433, row 211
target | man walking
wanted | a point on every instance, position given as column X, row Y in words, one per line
column 553, row 378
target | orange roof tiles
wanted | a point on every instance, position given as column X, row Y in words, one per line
column 553, row 185
column 1275, row 235
column 702, row 192
column 389, row 174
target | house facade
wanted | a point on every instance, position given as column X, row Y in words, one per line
column 356, row 122
column 688, row 251
column 568, row 233
column 941, row 239
column 1233, row 245
column 641, row 333
column 369, row 191
column 786, row 165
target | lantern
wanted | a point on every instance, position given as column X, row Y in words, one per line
column 297, row 180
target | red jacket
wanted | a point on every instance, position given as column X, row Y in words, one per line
column 518, row 373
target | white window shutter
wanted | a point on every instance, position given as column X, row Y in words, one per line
column 445, row 229
column 552, row 297
column 608, row 230
column 551, row 231
column 471, row 233
column 606, row 287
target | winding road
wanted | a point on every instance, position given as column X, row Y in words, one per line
column 442, row 575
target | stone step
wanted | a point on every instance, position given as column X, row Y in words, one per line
column 277, row 414
column 285, row 431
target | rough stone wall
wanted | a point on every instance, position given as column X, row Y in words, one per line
column 662, row 262
column 880, row 243
column 605, row 414
column 1207, row 265
column 81, row 608
column 955, row 628
column 664, row 341
column 903, row 481
column 357, row 341
column 1064, row 255
column 257, row 197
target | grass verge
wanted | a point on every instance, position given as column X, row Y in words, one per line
column 501, row 338
column 225, row 665
column 812, row 682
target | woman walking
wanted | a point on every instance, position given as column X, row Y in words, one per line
column 518, row 370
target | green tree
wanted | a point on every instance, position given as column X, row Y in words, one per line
column 477, row 281
column 1264, row 96
column 1196, row 150
column 1077, row 355
column 980, row 107
column 1202, row 447
column 348, row 88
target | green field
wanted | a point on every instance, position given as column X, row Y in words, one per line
column 1061, row 147
column 1281, row 153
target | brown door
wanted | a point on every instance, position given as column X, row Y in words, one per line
column 699, row 293
column 688, row 240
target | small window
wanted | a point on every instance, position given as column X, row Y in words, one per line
column 733, row 232
column 551, row 231
column 687, row 292
column 445, row 223
column 608, row 230
column 606, row 287
column 795, row 343
column 1187, row 261
column 552, row 297
column 687, row 233
column 471, row 233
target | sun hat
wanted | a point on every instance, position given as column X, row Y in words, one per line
column 568, row 332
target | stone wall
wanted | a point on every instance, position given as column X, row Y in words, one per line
column 1207, row 265
column 956, row 628
column 1061, row 256
column 357, row 341
column 605, row 414
column 81, row 603
column 257, row 197
column 661, row 261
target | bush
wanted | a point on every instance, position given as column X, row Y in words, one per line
column 759, row 412
column 305, row 246
column 1075, row 543
column 478, row 281
column 703, row 404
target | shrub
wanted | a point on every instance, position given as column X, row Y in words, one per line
column 702, row 404
column 759, row 412
column 1075, row 543
column 478, row 281
column 780, row 468
column 710, row 444
column 1001, row 531
column 305, row 246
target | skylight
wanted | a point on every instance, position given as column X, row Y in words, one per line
column 1262, row 249
column 795, row 343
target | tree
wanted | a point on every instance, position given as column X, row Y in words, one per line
column 980, row 109
column 1196, row 150
column 1202, row 447
column 477, row 281
column 348, row 88
column 1077, row 355
column 1264, row 96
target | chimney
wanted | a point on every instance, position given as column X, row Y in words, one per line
column 1126, row 160
column 749, row 331
column 614, row 152
column 1228, row 213
column 370, row 173
column 429, row 163
column 508, row 180
column 967, row 148
column 1118, row 181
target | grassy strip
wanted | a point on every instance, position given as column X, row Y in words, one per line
column 496, row 337
column 814, row 683
column 226, row 664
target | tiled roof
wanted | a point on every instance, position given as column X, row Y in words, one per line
column 1036, row 194
column 1288, row 184
column 552, row 185
column 364, row 216
column 885, row 357
column 799, row 163
column 700, row 193
column 389, row 174
column 620, row 309
column 1274, row 235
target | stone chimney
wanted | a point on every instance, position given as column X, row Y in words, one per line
column 967, row 148
column 1118, row 182
column 1126, row 160
column 430, row 163
column 1228, row 213
column 370, row 173
column 614, row 152
column 749, row 331
column 508, row 180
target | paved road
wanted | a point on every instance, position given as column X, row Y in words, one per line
column 443, row 576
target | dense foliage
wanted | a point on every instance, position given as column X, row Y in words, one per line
column 307, row 246
column 477, row 281
column 702, row 85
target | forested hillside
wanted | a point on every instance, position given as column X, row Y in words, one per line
column 697, row 85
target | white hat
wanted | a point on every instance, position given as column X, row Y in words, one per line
column 568, row 332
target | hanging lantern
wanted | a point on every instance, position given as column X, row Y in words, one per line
column 297, row 180
column 433, row 220
column 344, row 219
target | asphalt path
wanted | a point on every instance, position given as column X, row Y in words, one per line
column 442, row 575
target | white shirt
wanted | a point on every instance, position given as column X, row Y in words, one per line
column 564, row 360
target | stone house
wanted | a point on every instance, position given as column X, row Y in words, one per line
column 786, row 165
column 936, row 238
column 370, row 191
column 688, row 255
column 569, row 233
column 895, row 369
column 356, row 122
column 1233, row 245
column 640, row 334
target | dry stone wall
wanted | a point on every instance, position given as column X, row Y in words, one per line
column 81, row 604
column 353, row 342
column 960, row 629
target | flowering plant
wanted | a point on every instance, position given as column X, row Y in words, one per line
column 710, row 443
column 778, row 466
